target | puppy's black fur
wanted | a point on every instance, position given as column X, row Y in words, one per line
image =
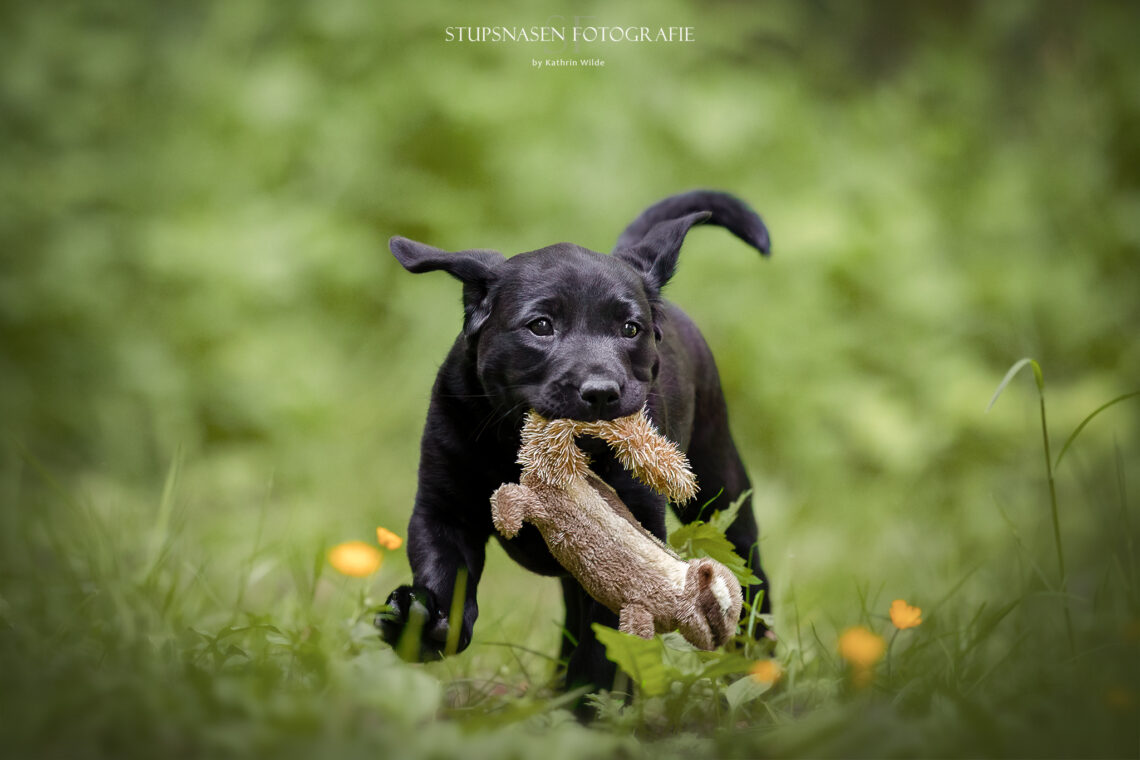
column 572, row 333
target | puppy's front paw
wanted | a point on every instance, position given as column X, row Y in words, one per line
column 413, row 623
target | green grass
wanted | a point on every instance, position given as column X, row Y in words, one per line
column 122, row 634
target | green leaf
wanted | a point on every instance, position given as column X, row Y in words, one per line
column 1089, row 419
column 722, row 519
column 642, row 659
column 723, row 664
column 689, row 663
column 744, row 691
column 1037, row 375
column 682, row 663
column 700, row 539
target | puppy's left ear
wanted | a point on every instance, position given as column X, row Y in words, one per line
column 655, row 255
column 474, row 268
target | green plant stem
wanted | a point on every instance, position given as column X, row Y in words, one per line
column 1056, row 519
column 890, row 645
column 455, row 616
column 1039, row 377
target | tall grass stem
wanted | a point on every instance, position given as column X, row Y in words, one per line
column 1039, row 377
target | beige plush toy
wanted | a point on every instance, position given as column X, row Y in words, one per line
column 591, row 532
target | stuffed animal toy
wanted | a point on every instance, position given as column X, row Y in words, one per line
column 592, row 533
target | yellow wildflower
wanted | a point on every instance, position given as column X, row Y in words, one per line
column 862, row 649
column 355, row 558
column 904, row 615
column 388, row 539
column 766, row 671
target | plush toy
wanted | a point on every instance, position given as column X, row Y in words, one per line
column 592, row 533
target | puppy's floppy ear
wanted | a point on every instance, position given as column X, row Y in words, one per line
column 655, row 255
column 475, row 269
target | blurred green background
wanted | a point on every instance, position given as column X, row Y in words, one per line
column 207, row 353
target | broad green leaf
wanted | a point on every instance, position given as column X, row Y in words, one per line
column 745, row 690
column 642, row 659
column 684, row 664
column 722, row 519
column 703, row 540
column 723, row 664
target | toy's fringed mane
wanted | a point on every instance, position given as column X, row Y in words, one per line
column 548, row 453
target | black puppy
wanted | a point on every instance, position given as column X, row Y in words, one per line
column 572, row 333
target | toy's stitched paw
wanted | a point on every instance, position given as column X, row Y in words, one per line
column 507, row 508
column 412, row 622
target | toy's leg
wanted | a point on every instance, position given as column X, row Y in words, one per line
column 510, row 505
column 637, row 620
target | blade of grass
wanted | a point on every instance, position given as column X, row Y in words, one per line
column 455, row 615
column 1039, row 377
column 1010, row 375
column 823, row 650
column 1021, row 547
column 987, row 626
column 522, row 710
column 953, row 590
column 1073, row 436
column 997, row 663
column 519, row 648
column 1126, row 520
column 160, row 533
column 247, row 566
column 319, row 558
column 754, row 611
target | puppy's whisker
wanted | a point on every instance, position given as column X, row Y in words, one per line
column 496, row 418
column 506, row 416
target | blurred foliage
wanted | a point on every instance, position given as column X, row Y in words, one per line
column 195, row 290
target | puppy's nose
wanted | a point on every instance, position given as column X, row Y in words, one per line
column 600, row 394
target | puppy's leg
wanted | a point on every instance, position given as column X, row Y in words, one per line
column 447, row 533
column 575, row 599
column 443, row 555
column 588, row 664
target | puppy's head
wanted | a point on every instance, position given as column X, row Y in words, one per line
column 563, row 330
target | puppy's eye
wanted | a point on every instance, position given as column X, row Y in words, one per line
column 630, row 330
column 541, row 326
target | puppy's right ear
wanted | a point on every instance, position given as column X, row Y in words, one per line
column 475, row 269
column 655, row 255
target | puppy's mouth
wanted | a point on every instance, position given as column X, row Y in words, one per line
column 556, row 409
column 590, row 416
